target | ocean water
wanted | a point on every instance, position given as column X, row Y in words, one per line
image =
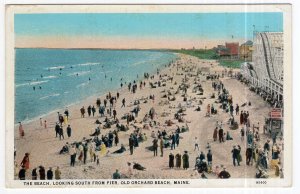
column 51, row 79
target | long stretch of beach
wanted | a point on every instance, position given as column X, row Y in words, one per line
column 43, row 145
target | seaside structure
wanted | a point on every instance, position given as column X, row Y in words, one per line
column 229, row 51
column 246, row 51
column 265, row 73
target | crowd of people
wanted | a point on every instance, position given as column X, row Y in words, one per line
column 164, row 138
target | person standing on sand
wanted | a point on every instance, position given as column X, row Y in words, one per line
column 21, row 130
column 185, row 160
column 93, row 110
column 155, row 145
column 85, row 150
column 80, row 153
column 237, row 109
column 89, row 109
column 131, row 144
column 105, row 102
column 177, row 138
column 61, row 132
column 60, row 119
column 161, row 145
column 173, row 141
column 50, row 174
column 215, row 135
column 25, row 162
column 209, row 158
column 221, row 135
column 67, row 113
column 82, row 111
column 92, row 152
column 123, row 103
column 41, row 122
column 116, row 138
column 116, row 175
column 171, row 160
column 45, row 124
column 34, row 174
column 69, row 131
column 241, row 117
column 114, row 114
column 242, row 134
column 42, row 173
column 57, row 174
column 103, row 149
column 208, row 110
column 22, row 173
column 72, row 155
column 57, row 128
column 178, row 160
column 235, row 153
column 196, row 144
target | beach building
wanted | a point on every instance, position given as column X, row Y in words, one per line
column 265, row 72
column 229, row 51
column 246, row 51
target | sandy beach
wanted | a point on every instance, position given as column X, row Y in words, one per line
column 44, row 147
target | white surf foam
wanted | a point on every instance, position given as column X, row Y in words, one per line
column 79, row 73
column 51, row 95
column 55, row 67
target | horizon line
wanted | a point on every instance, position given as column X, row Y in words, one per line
column 92, row 48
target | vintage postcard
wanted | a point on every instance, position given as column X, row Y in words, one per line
column 148, row 96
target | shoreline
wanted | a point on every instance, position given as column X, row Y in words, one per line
column 43, row 146
column 95, row 96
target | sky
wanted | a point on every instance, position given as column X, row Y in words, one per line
column 140, row 30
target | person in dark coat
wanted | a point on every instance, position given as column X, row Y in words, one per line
column 67, row 113
column 235, row 153
column 209, row 158
column 69, row 131
column 116, row 175
column 93, row 110
column 177, row 138
column 155, row 146
column 89, row 109
column 50, row 174
column 237, row 109
column 57, row 128
column 61, row 133
column 171, row 160
column 85, row 150
column 42, row 173
column 115, row 113
column 185, row 160
column 131, row 144
column 249, row 153
column 34, row 174
column 215, row 135
column 221, row 135
column 173, row 141
column 241, row 118
column 202, row 156
column 178, row 160
column 82, row 111
column 116, row 138
column 22, row 173
column 224, row 174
